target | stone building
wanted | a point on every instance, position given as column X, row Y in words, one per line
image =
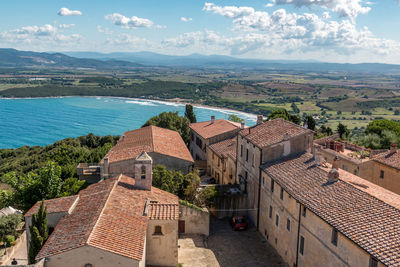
column 381, row 167
column 120, row 221
column 207, row 133
column 264, row 142
column 221, row 164
column 164, row 146
column 315, row 215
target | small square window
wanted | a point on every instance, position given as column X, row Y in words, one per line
column 302, row 245
column 157, row 230
column 277, row 220
column 281, row 193
column 382, row 175
column 288, row 225
column 334, row 237
column 247, row 155
column 270, row 212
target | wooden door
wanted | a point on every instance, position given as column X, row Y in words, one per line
column 181, row 226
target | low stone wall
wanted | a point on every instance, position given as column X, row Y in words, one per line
column 229, row 205
column 196, row 221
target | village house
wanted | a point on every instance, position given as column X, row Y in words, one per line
column 206, row 133
column 221, row 164
column 264, row 142
column 316, row 214
column 164, row 146
column 120, row 221
column 381, row 167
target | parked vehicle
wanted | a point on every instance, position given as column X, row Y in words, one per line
column 239, row 223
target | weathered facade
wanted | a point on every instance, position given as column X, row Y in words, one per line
column 221, row 163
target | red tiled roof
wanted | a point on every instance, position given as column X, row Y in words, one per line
column 389, row 158
column 161, row 211
column 272, row 132
column 62, row 204
column 226, row 147
column 206, row 129
column 369, row 222
column 110, row 215
column 149, row 139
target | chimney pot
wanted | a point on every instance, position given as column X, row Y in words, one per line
column 212, row 119
column 259, row 119
column 335, row 163
column 333, row 175
column 242, row 125
column 393, row 148
column 286, row 136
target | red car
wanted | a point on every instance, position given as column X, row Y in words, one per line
column 239, row 223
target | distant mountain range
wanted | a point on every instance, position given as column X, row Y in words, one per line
column 121, row 60
column 26, row 59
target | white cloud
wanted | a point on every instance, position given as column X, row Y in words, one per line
column 344, row 8
column 39, row 37
column 229, row 11
column 184, row 19
column 103, row 30
column 66, row 26
column 67, row 12
column 130, row 23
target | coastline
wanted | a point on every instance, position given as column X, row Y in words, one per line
column 177, row 101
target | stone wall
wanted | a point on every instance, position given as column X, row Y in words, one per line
column 229, row 205
column 162, row 249
column 196, row 221
column 171, row 163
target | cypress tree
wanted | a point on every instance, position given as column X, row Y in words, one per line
column 38, row 232
column 189, row 113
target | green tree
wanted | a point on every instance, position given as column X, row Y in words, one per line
column 35, row 244
column 342, row 130
column 295, row 108
column 310, row 122
column 377, row 126
column 38, row 231
column 189, row 113
column 283, row 114
column 172, row 121
column 234, row 118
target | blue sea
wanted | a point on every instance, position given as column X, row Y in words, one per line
column 42, row 121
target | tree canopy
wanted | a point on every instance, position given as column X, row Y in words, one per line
column 189, row 113
column 283, row 114
column 235, row 118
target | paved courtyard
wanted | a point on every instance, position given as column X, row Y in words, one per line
column 227, row 248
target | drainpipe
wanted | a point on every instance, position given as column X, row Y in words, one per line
column 298, row 237
column 259, row 190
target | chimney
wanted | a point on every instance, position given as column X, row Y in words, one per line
column 212, row 119
column 333, row 175
column 106, row 167
column 335, row 163
column 242, row 125
column 393, row 148
column 286, row 137
column 259, row 119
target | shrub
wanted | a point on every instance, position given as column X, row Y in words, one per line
column 9, row 240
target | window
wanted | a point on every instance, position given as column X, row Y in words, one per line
column 253, row 160
column 143, row 172
column 272, row 185
column 281, row 193
column 157, row 230
column 247, row 154
column 304, row 211
column 241, row 150
column 302, row 245
column 373, row 262
column 199, row 143
column 334, row 237
column 288, row 225
column 277, row 220
column 270, row 212
column 382, row 175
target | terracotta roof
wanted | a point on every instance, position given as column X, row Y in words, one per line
column 62, row 204
column 110, row 215
column 357, row 213
column 162, row 211
column 389, row 158
column 226, row 147
column 272, row 132
column 149, row 139
column 206, row 129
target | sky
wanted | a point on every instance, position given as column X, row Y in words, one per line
column 351, row 31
